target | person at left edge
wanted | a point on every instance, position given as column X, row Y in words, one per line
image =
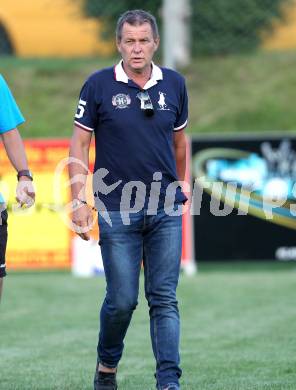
column 10, row 118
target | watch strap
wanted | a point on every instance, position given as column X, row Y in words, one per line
column 25, row 172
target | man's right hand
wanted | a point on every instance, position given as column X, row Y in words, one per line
column 82, row 220
column 25, row 192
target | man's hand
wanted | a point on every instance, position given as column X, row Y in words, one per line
column 82, row 220
column 25, row 192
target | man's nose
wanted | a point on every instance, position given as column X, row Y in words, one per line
column 137, row 47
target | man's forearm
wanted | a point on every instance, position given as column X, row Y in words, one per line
column 78, row 170
column 180, row 155
column 15, row 149
column 181, row 163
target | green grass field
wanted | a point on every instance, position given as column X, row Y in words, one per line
column 238, row 331
column 253, row 92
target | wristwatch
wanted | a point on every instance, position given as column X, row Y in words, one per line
column 78, row 202
column 24, row 172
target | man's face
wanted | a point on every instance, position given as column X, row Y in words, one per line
column 137, row 46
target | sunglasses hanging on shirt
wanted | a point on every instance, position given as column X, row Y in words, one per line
column 146, row 104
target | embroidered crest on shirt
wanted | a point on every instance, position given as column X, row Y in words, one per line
column 161, row 102
column 121, row 100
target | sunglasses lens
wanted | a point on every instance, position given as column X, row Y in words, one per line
column 146, row 104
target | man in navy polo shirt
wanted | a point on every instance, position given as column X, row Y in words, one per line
column 10, row 118
column 138, row 112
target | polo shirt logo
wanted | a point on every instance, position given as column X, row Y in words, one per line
column 161, row 102
column 121, row 100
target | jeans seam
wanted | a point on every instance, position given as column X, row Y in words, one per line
column 155, row 336
column 153, row 321
column 156, row 345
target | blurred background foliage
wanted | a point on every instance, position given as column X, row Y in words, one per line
column 227, row 26
column 221, row 26
column 110, row 11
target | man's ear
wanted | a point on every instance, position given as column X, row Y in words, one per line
column 118, row 46
column 156, row 42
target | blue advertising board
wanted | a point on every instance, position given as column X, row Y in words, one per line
column 244, row 197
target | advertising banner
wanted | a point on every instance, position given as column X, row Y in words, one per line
column 245, row 197
column 38, row 239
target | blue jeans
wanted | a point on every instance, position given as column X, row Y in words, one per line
column 157, row 240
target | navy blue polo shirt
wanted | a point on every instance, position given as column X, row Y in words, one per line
column 131, row 146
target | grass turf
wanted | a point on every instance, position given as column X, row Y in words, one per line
column 253, row 92
column 238, row 331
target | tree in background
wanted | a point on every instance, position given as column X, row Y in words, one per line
column 110, row 10
column 217, row 26
column 232, row 26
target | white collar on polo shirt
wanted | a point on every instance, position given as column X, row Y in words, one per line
column 156, row 75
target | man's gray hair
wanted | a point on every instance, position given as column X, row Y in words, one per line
column 136, row 17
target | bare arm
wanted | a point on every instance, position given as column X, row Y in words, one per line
column 180, row 153
column 25, row 193
column 78, row 170
column 15, row 149
column 79, row 149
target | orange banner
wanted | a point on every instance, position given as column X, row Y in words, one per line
column 38, row 238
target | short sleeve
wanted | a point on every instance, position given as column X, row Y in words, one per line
column 182, row 114
column 10, row 114
column 86, row 113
